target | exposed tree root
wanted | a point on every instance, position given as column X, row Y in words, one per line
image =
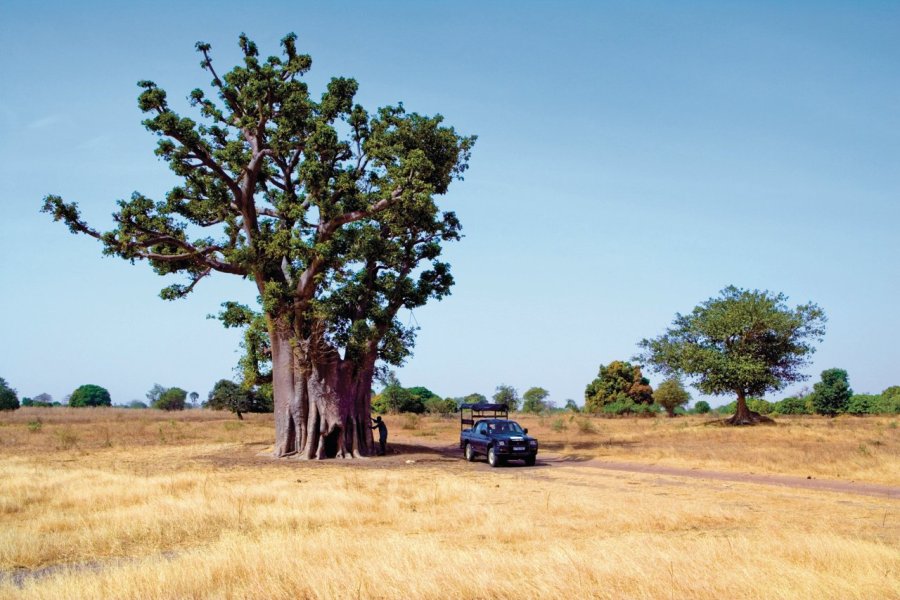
column 749, row 418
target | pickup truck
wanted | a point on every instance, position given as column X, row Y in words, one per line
column 494, row 436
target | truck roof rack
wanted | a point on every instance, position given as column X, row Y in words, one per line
column 469, row 413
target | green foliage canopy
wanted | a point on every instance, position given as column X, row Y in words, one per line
column 534, row 400
column 508, row 395
column 327, row 207
column 742, row 342
column 171, row 399
column 670, row 394
column 619, row 383
column 9, row 400
column 90, row 395
column 831, row 395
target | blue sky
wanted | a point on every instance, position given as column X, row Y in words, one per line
column 634, row 158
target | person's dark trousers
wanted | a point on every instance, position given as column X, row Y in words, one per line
column 382, row 442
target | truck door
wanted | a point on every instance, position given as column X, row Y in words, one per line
column 481, row 437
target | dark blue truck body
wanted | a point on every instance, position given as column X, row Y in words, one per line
column 491, row 434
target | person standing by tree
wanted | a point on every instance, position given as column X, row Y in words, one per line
column 382, row 434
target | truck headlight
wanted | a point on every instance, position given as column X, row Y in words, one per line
column 532, row 443
column 501, row 442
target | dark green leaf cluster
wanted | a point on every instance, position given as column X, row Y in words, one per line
column 533, row 400
column 702, row 407
column 743, row 342
column 170, row 399
column 831, row 395
column 397, row 399
column 670, row 394
column 90, row 395
column 508, row 395
column 9, row 400
column 227, row 395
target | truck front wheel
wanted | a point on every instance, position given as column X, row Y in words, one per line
column 470, row 454
column 529, row 460
column 493, row 459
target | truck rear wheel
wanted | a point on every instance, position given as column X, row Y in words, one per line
column 493, row 459
column 470, row 454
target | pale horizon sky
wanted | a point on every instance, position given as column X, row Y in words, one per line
column 634, row 158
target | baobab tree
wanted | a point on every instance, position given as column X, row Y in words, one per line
column 328, row 209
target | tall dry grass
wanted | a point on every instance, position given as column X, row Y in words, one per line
column 149, row 505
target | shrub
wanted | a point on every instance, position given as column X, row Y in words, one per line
column 90, row 395
column 862, row 404
column 626, row 406
column 702, row 407
column 137, row 404
column 67, row 438
column 727, row 409
column 35, row 426
column 759, row 405
column 792, row 406
column 558, row 424
column 885, row 404
column 586, row 426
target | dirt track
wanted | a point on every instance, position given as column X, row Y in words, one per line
column 425, row 452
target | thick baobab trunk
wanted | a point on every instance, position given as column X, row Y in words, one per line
column 322, row 402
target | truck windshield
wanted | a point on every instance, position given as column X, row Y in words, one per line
column 508, row 427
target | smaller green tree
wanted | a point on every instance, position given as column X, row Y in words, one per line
column 422, row 394
column 441, row 406
column 227, row 395
column 395, row 398
column 475, row 399
column 171, row 399
column 155, row 392
column 621, row 384
column 702, row 407
column 137, row 404
column 9, row 400
column 194, row 396
column 670, row 394
column 831, row 395
column 90, row 395
column 571, row 406
column 534, row 400
column 508, row 395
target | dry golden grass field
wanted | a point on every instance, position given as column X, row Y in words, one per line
column 112, row 503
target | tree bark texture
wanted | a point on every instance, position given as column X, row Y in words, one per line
column 322, row 402
column 743, row 415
